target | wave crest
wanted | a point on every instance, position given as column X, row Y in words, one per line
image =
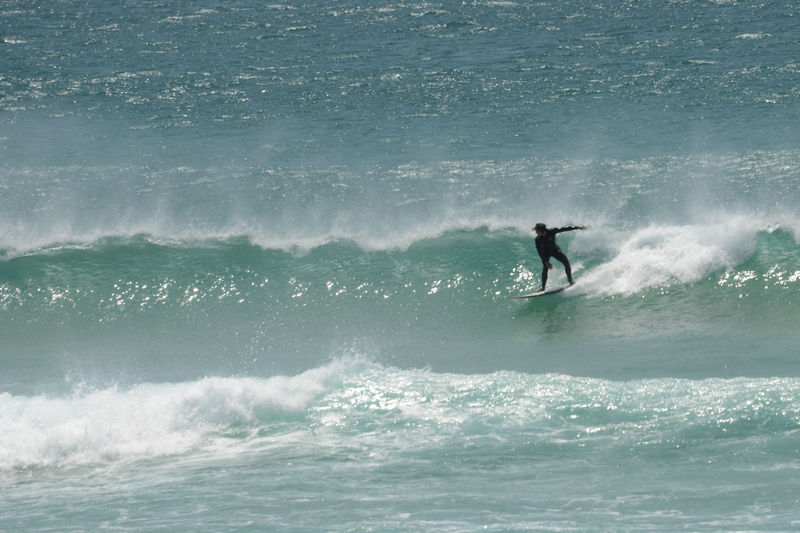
column 348, row 403
column 657, row 256
column 151, row 420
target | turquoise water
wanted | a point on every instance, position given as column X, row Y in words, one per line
column 257, row 264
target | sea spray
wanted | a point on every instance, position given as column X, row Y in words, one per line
column 390, row 206
column 657, row 256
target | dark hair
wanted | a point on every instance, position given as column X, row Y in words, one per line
column 540, row 226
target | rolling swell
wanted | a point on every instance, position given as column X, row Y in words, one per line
column 182, row 310
column 160, row 272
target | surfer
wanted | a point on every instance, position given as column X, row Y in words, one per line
column 547, row 248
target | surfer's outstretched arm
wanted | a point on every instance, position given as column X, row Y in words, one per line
column 566, row 228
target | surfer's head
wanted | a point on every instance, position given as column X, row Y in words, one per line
column 540, row 228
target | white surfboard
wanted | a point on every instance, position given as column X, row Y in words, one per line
column 542, row 293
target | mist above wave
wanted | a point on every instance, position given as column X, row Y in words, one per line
column 383, row 206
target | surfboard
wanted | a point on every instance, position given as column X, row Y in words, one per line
column 542, row 293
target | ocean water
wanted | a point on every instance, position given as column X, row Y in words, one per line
column 257, row 263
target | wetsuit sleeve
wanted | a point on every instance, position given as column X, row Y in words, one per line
column 561, row 230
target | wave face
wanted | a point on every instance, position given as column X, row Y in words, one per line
column 130, row 309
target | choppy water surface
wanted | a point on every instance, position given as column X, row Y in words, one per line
column 257, row 264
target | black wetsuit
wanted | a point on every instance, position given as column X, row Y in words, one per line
column 547, row 248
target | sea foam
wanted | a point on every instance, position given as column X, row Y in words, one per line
column 147, row 420
column 656, row 256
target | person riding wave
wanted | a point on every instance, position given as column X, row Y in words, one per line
column 547, row 248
